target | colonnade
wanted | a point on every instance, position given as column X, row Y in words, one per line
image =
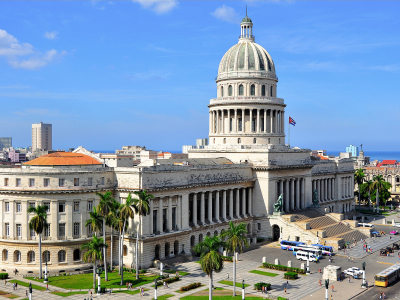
column 246, row 89
column 325, row 188
column 346, row 187
column 346, row 207
column 219, row 206
column 262, row 120
column 293, row 191
column 165, row 214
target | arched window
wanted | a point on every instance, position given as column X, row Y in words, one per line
column 239, row 140
column 254, row 141
column 222, row 91
column 230, row 90
column 269, row 141
column 17, row 256
column 241, row 90
column 271, row 92
column 397, row 179
column 31, row 256
column 224, row 140
column 279, row 141
column 263, row 90
column 125, row 250
column 208, row 233
column 5, row 255
column 215, row 232
column 46, row 256
column 200, row 237
column 192, row 241
column 252, row 90
column 166, row 250
column 77, row 254
column 61, row 256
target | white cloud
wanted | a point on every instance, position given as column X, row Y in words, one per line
column 159, row 6
column 51, row 35
column 38, row 61
column 9, row 45
column 227, row 14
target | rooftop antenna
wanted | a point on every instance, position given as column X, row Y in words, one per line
column 246, row 10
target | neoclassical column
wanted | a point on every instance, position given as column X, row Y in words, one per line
column 231, row 204
column 286, row 196
column 160, row 216
column 169, row 218
column 250, row 208
column 282, row 121
column 333, row 189
column 178, row 212
column 319, row 189
column 276, row 121
column 244, row 210
column 265, row 120
column 229, row 121
column 224, row 205
column 210, row 207
column 210, row 122
column 251, row 119
column 217, row 206
column 292, row 200
column 202, row 208
column 258, row 120
column 235, row 122
column 195, row 209
column 281, row 187
column 271, row 118
column 237, row 203
column 298, row 193
column 325, row 189
column 329, row 188
column 303, row 197
column 243, row 123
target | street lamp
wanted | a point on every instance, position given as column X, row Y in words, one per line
column 30, row 291
column 326, row 288
column 45, row 272
column 99, row 270
column 243, row 290
column 161, row 269
column 155, row 289
column 364, row 283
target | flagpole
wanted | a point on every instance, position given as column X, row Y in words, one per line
column 289, row 133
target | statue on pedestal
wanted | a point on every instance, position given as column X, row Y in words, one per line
column 315, row 197
column 278, row 206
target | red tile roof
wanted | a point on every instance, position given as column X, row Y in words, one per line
column 389, row 162
column 63, row 159
column 323, row 157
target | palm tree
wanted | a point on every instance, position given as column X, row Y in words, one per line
column 141, row 207
column 114, row 210
column 236, row 239
column 104, row 209
column 96, row 221
column 379, row 185
column 94, row 253
column 369, row 187
column 359, row 177
column 38, row 223
column 210, row 258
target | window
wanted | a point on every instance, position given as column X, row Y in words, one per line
column 241, row 90
column 61, row 230
column 89, row 230
column 48, row 206
column 102, row 181
column 77, row 255
column 61, row 256
column 230, row 90
column 7, row 206
column 254, row 141
column 77, row 229
column 90, row 181
column 155, row 221
column 76, row 181
column 18, row 182
column 164, row 228
column 252, row 90
column 174, row 218
column 47, row 230
column 18, row 206
column 61, row 207
column 46, row 182
column 269, row 141
column 76, row 206
column 61, row 182
column 32, row 204
column 263, row 90
column 17, row 256
column 19, row 230
column 125, row 250
column 31, row 182
column 32, row 233
column 31, row 256
column 271, row 91
column 239, row 140
column 258, row 226
column 224, row 140
column 7, row 229
column 222, row 91
column 6, row 181
column 46, row 256
column 5, row 255
column 90, row 205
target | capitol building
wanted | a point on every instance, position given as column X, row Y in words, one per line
column 237, row 177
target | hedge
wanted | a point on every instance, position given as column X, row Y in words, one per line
column 291, row 275
column 281, row 298
column 168, row 280
column 3, row 275
column 259, row 285
column 283, row 268
column 190, row 287
column 227, row 258
column 142, row 271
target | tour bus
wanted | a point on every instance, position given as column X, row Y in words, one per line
column 288, row 245
column 326, row 250
column 303, row 255
column 314, row 250
column 388, row 275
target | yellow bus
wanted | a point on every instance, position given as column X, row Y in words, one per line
column 387, row 276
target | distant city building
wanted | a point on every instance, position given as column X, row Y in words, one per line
column 169, row 155
column 353, row 150
column 5, row 142
column 16, row 157
column 131, row 150
column 200, row 144
column 41, row 136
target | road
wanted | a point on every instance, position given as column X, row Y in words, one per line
column 391, row 292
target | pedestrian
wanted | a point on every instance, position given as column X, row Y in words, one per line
column 332, row 289
column 227, row 274
column 5, row 281
column 285, row 290
column 383, row 295
column 91, row 295
column 16, row 285
column 331, row 297
column 262, row 289
column 110, row 291
column 164, row 285
column 26, row 293
column 319, row 283
column 177, row 274
column 349, row 279
column 287, row 283
column 380, row 295
column 47, row 287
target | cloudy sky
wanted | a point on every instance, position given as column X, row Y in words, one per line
column 114, row 73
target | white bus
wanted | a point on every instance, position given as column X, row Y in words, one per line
column 312, row 249
column 304, row 255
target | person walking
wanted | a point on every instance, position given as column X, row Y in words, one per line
column 227, row 274
column 332, row 289
column 285, row 291
column 47, row 287
column 26, row 293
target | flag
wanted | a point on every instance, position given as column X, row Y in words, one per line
column 291, row 121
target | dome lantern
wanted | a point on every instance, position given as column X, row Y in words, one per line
column 246, row 28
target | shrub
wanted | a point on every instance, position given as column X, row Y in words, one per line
column 290, row 275
column 259, row 285
column 281, row 298
column 168, row 280
column 3, row 275
column 260, row 240
column 190, row 287
column 64, row 274
column 283, row 268
column 227, row 258
column 143, row 271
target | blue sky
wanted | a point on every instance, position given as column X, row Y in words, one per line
column 108, row 74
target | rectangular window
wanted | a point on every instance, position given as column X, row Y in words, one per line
column 155, row 221
column 32, row 204
column 47, row 230
column 7, row 228
column 258, row 226
column 18, row 182
column 48, row 206
column 7, row 206
column 32, row 233
column 6, row 181
column 77, row 229
column 76, row 181
column 61, row 207
column 31, row 182
column 18, row 206
column 61, row 182
column 164, row 220
column 90, row 181
column 19, row 230
column 89, row 230
column 46, row 182
column 76, row 206
column 102, row 181
column 174, row 218
column 61, row 230
column 90, row 205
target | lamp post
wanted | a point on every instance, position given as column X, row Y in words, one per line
column 308, row 264
column 99, row 270
column 243, row 297
column 161, row 269
column 326, row 288
column 30, row 291
column 45, row 272
column 364, row 285
column 281, row 233
column 155, row 289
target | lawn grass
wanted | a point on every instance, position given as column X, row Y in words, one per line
column 218, row 298
column 164, row 296
column 228, row 282
column 264, row 273
column 23, row 283
column 62, row 294
column 8, row 295
column 85, row 281
column 181, row 273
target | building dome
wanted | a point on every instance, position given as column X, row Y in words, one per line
column 63, row 159
column 246, row 19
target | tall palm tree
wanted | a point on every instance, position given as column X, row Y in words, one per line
column 96, row 221
column 359, row 177
column 94, row 253
column 236, row 239
column 370, row 187
column 38, row 223
column 104, row 209
column 141, row 207
column 114, row 210
column 210, row 258
column 379, row 185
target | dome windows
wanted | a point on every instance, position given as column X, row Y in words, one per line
column 252, row 90
column 230, row 90
column 241, row 90
column 224, row 140
column 271, row 92
column 222, row 91
column 263, row 90
column 254, row 141
column 239, row 140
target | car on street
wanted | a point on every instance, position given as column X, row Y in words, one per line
column 357, row 270
column 351, row 272
column 394, row 232
column 396, row 224
column 375, row 233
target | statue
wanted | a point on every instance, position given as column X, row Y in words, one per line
column 315, row 197
column 327, row 283
column 278, row 206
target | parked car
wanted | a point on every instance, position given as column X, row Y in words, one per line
column 352, row 272
column 395, row 246
column 397, row 225
column 394, row 232
column 357, row 270
column 375, row 233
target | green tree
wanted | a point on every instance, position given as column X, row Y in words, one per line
column 104, row 208
column 141, row 207
column 369, row 186
column 94, row 253
column 359, row 177
column 114, row 210
column 381, row 186
column 38, row 223
column 236, row 240
column 95, row 221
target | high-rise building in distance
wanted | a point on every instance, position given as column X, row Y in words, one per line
column 5, row 142
column 41, row 136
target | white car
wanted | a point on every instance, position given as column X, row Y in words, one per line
column 397, row 225
column 352, row 272
column 357, row 270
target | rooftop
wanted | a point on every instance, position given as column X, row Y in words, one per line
column 63, row 159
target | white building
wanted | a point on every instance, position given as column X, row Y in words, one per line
column 41, row 136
